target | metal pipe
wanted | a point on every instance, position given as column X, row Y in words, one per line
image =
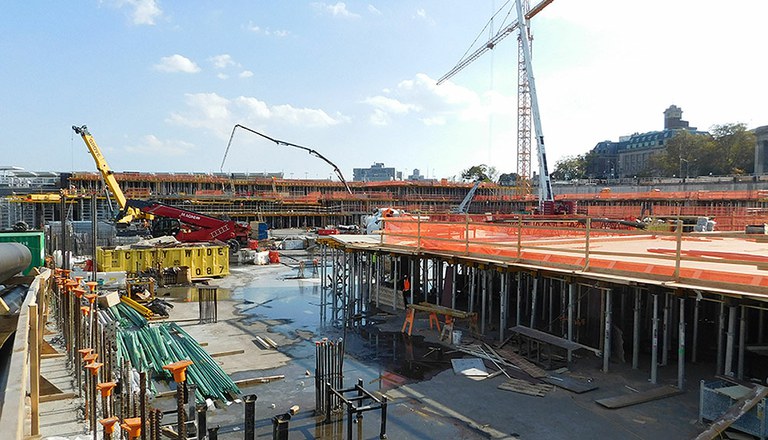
column 636, row 331
column 681, row 346
column 665, row 332
column 730, row 336
column 655, row 341
column 607, row 342
column 571, row 296
column 534, row 295
column 202, row 421
column 720, row 347
column 695, row 341
column 742, row 342
column 14, row 258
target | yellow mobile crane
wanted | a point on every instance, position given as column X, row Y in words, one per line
column 127, row 213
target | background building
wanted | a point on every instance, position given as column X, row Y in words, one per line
column 376, row 173
column 630, row 155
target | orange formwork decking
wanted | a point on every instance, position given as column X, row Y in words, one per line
column 729, row 263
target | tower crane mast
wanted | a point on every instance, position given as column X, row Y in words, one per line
column 545, row 186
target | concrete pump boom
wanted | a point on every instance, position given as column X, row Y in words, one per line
column 287, row 144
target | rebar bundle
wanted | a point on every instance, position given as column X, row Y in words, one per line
column 329, row 369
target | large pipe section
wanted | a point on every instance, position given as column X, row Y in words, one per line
column 14, row 258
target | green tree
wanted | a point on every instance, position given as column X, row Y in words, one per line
column 686, row 154
column 570, row 167
column 480, row 172
column 508, row 179
column 735, row 147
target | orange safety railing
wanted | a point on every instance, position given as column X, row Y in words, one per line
column 659, row 255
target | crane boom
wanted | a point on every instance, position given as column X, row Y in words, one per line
column 490, row 44
column 287, row 144
column 127, row 213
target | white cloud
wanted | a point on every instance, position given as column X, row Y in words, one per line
column 421, row 14
column 436, row 105
column 222, row 61
column 219, row 114
column 373, row 10
column 144, row 11
column 337, row 10
column 245, row 74
column 222, row 76
column 280, row 33
column 151, row 144
column 177, row 63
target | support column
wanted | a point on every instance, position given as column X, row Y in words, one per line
column 550, row 312
column 534, row 294
column 729, row 340
column 571, row 305
column 695, row 339
column 472, row 283
column 396, row 280
column 484, row 300
column 720, row 332
column 681, row 346
column 410, row 275
column 518, row 299
column 503, row 304
column 665, row 332
column 655, row 341
column 742, row 342
column 636, row 331
column 453, row 285
column 607, row 336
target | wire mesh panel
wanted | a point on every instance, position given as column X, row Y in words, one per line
column 207, row 300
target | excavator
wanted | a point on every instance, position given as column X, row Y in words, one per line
column 184, row 225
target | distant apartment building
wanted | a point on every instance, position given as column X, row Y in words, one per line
column 630, row 155
column 376, row 173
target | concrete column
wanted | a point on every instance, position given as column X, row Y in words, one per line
column 729, row 340
column 636, row 331
column 681, row 346
column 655, row 341
column 607, row 336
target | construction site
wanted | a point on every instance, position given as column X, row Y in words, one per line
column 149, row 305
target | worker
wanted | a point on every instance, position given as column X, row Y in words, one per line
column 406, row 289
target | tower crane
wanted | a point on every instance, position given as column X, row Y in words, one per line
column 525, row 92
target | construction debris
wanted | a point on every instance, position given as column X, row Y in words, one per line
column 525, row 387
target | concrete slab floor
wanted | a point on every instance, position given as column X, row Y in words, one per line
column 441, row 405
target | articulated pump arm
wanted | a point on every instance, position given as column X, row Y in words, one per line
column 287, row 144
column 126, row 213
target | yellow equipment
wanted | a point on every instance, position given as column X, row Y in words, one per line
column 127, row 213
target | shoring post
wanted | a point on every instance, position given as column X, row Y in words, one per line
column 586, row 244
column 655, row 340
column 742, row 341
column 571, row 304
column 695, row 339
column 213, row 433
column 418, row 233
column 681, row 346
column 466, row 233
column 679, row 247
column 607, row 336
column 179, row 369
column 383, row 429
column 519, row 240
column 636, row 330
column 730, row 336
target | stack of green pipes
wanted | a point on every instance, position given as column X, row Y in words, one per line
column 149, row 347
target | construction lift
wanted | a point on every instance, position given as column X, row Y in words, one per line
column 184, row 225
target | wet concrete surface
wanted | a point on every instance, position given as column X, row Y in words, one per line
column 426, row 399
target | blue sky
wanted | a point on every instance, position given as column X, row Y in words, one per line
column 160, row 84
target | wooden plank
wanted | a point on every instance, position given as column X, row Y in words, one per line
column 570, row 384
column 545, row 337
column 738, row 409
column 637, row 398
column 226, row 353
column 258, row 380
column 523, row 363
column 524, row 387
column 62, row 396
